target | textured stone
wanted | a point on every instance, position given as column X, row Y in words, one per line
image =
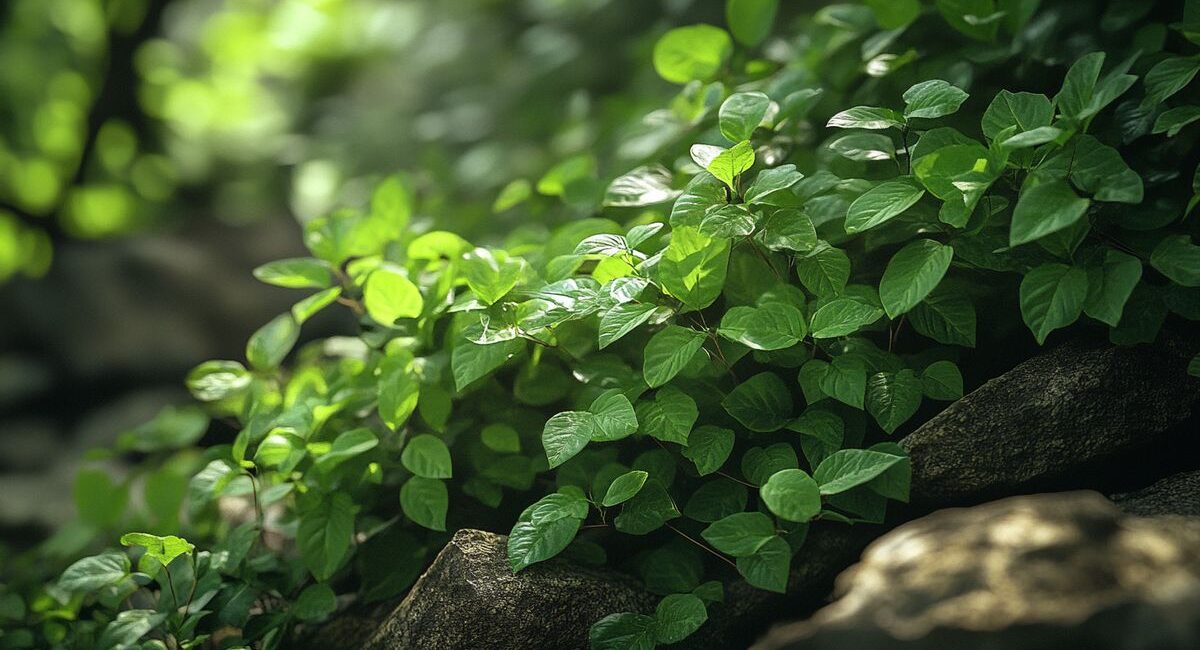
column 1050, row 416
column 468, row 598
column 1035, row 572
column 1178, row 494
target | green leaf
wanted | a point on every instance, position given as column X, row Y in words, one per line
column 864, row 147
column 703, row 192
column 1024, row 111
column 850, row 468
column 825, row 270
column 740, row 534
column 95, row 572
column 912, row 274
column 1193, row 367
column 99, row 500
column 425, row 502
column 296, row 273
column 645, row 185
column 1168, row 77
column 932, row 99
column 647, row 511
column 614, row 416
column 315, row 603
column 822, row 433
column 471, row 362
column 768, row 567
column 501, row 438
column 669, row 416
column 893, row 398
column 942, row 380
column 894, row 14
column 708, row 448
column 271, row 343
column 544, row 529
column 1179, row 259
column 310, row 306
column 842, row 316
column 790, row 230
column 959, row 174
column 761, row 403
column 750, row 20
column 566, row 434
column 347, row 445
column 741, row 113
column 389, row 295
column 623, row 631
column 1110, row 285
column 1098, row 168
column 696, row 52
column 491, row 274
column 678, row 616
column 668, row 352
column 129, row 627
column 773, row 326
column 975, row 18
column 162, row 549
column 1052, row 297
column 792, row 495
column 946, row 317
column 728, row 221
column 866, row 117
column 1083, row 93
column 427, row 456
column 621, row 320
column 882, row 203
column 212, row 381
column 624, row 487
column 730, row 164
column 772, row 183
column 716, row 500
column 845, row 379
column 325, row 531
column 694, row 267
column 759, row 463
column 512, row 195
column 1173, row 120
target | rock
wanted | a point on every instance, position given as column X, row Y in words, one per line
column 1178, row 494
column 1034, row 572
column 1051, row 417
column 468, row 598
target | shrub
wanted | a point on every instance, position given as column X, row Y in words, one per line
column 785, row 267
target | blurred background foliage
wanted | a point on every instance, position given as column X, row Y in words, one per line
column 153, row 152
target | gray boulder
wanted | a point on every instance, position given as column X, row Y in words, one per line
column 1049, row 417
column 1066, row 570
column 1178, row 494
column 468, row 598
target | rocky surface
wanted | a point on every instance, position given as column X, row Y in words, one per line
column 1051, row 417
column 1035, row 572
column 1178, row 494
column 468, row 598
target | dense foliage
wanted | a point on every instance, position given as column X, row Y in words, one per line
column 769, row 278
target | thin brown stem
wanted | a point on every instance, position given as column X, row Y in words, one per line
column 702, row 545
column 736, row 480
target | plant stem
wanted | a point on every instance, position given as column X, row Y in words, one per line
column 702, row 545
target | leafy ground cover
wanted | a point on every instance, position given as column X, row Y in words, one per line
column 768, row 278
